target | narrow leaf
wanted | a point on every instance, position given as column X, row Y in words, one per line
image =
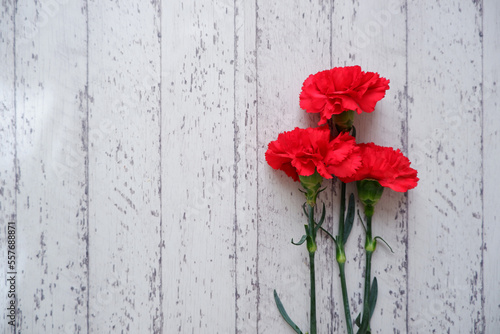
column 358, row 320
column 328, row 233
column 385, row 242
column 362, row 222
column 302, row 240
column 306, row 227
column 321, row 220
column 285, row 315
column 305, row 211
column 349, row 220
column 372, row 299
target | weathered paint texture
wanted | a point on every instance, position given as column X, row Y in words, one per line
column 132, row 141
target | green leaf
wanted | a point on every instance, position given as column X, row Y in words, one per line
column 358, row 320
column 305, row 211
column 372, row 300
column 321, row 220
column 328, row 233
column 285, row 315
column 302, row 240
column 362, row 222
column 353, row 131
column 349, row 220
column 385, row 242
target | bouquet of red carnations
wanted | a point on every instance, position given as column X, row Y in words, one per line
column 312, row 154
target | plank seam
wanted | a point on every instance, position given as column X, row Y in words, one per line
column 235, row 170
column 332, row 191
column 331, row 31
column 481, row 271
column 87, row 174
column 257, row 155
column 160, row 119
column 16, row 165
column 407, row 151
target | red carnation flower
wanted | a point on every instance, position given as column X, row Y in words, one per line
column 385, row 165
column 303, row 151
column 334, row 91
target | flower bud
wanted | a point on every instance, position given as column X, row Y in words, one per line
column 369, row 192
column 311, row 184
column 344, row 120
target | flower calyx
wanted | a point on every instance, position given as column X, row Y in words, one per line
column 369, row 193
column 344, row 121
column 312, row 185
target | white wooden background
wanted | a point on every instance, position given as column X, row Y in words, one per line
column 132, row 159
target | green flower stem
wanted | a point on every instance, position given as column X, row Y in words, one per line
column 370, row 245
column 366, row 308
column 313, row 294
column 341, row 259
column 311, row 248
column 369, row 240
column 340, row 238
column 345, row 298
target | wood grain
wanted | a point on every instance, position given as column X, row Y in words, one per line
column 281, row 265
column 491, row 177
column 358, row 32
column 198, row 189
column 7, row 150
column 132, row 141
column 51, row 109
column 444, row 130
column 124, row 167
column 246, row 192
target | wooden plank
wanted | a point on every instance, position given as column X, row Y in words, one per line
column 198, row 166
column 51, row 122
column 7, row 153
column 124, row 163
column 215, row 240
column 445, row 225
column 491, row 154
column 293, row 41
column 373, row 35
column 245, row 118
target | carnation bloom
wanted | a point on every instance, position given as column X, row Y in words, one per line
column 334, row 91
column 301, row 152
column 383, row 164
